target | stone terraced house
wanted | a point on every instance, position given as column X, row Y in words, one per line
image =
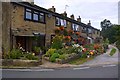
column 21, row 21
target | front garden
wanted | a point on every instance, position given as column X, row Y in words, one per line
column 70, row 45
column 66, row 47
column 18, row 57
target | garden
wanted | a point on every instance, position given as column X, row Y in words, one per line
column 18, row 57
column 70, row 45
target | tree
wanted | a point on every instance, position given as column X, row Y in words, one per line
column 117, row 35
column 105, row 24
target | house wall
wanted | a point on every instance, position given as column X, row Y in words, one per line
column 6, row 24
column 26, row 27
column 97, row 34
column 13, row 20
column 0, row 30
column 50, row 26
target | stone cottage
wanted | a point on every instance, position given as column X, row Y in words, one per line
column 22, row 21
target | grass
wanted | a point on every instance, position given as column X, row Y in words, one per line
column 80, row 60
column 112, row 52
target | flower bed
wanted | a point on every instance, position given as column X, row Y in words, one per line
column 65, row 47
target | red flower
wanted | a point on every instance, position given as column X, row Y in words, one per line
column 71, row 31
column 77, row 33
column 57, row 30
column 67, row 38
column 62, row 28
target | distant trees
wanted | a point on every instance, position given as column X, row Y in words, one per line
column 110, row 31
column 105, row 24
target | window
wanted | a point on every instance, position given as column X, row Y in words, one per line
column 89, row 31
column 42, row 17
column 28, row 14
column 33, row 15
column 60, row 22
column 57, row 22
column 75, row 27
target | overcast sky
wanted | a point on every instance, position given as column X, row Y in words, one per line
column 94, row 10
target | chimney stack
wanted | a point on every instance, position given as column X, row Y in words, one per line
column 79, row 19
column 89, row 23
column 52, row 9
column 64, row 14
column 72, row 16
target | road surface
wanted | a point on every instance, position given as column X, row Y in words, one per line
column 104, row 71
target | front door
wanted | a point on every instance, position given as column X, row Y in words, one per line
column 21, row 42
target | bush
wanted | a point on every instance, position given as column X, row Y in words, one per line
column 57, row 42
column 50, row 52
column 112, row 52
column 118, row 44
column 89, row 46
column 15, row 54
column 30, row 56
column 53, row 57
column 59, row 51
column 62, row 56
column 37, row 49
column 84, row 55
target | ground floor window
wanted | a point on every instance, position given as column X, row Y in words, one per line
column 29, row 42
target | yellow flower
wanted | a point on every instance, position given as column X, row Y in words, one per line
column 33, row 54
column 91, row 53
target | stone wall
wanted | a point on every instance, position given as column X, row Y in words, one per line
column 0, row 31
column 6, row 23
column 26, row 27
column 50, row 26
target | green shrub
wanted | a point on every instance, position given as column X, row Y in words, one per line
column 30, row 56
column 89, row 46
column 84, row 55
column 15, row 54
column 74, row 50
column 53, row 57
column 63, row 56
column 112, row 52
column 59, row 51
column 57, row 42
column 37, row 49
column 50, row 52
column 118, row 44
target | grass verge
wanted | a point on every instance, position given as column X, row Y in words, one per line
column 81, row 60
column 112, row 52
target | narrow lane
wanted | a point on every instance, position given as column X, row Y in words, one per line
column 82, row 72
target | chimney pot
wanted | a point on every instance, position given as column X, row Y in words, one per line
column 72, row 16
column 79, row 19
column 52, row 9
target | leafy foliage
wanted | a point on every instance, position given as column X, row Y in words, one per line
column 31, row 57
column 53, row 57
column 57, row 42
column 14, row 54
column 112, row 51
column 50, row 52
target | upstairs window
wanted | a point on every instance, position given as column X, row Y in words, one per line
column 28, row 14
column 75, row 27
column 57, row 22
column 33, row 15
column 90, row 31
column 42, row 17
column 60, row 22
